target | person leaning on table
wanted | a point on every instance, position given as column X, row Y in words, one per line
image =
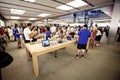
column 83, row 36
column 28, row 33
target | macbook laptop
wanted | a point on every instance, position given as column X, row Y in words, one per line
column 45, row 43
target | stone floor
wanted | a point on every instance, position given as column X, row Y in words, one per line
column 101, row 63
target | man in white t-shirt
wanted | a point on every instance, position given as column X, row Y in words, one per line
column 27, row 33
column 72, row 29
column 68, row 30
column 53, row 30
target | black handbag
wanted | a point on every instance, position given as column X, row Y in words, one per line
column 5, row 59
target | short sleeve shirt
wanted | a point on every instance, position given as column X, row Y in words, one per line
column 27, row 31
column 17, row 35
column 83, row 34
column 48, row 34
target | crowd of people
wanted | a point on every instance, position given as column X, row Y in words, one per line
column 30, row 33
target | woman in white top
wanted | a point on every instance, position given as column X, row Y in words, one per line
column 98, row 38
column 10, row 32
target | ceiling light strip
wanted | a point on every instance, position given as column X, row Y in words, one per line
column 20, row 15
column 32, row 18
column 65, row 4
column 30, row 0
column 16, row 11
column 77, row 3
column 44, row 15
column 15, row 17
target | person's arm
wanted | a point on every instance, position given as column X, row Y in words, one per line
column 76, row 37
column 17, row 32
column 31, row 35
column 79, row 33
column 88, row 43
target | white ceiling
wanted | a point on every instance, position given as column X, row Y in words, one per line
column 45, row 6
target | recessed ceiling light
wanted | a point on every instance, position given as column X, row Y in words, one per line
column 77, row 3
column 15, row 17
column 64, row 7
column 30, row 0
column 44, row 14
column 32, row 18
column 16, row 11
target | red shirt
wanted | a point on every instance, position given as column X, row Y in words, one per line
column 1, row 31
column 43, row 29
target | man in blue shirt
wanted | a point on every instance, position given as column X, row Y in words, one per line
column 17, row 35
column 48, row 34
column 84, row 35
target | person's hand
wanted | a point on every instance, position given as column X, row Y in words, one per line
column 20, row 33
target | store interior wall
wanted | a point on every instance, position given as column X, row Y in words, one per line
column 13, row 22
column 2, row 21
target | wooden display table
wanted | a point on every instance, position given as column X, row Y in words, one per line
column 37, row 49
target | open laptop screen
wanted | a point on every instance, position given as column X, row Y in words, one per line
column 45, row 43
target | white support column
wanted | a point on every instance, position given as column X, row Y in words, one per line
column 114, row 22
column 46, row 21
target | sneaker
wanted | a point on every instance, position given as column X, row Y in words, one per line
column 82, row 56
column 19, row 47
column 77, row 57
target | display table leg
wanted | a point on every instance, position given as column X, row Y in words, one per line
column 28, row 53
column 35, row 65
column 56, row 53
